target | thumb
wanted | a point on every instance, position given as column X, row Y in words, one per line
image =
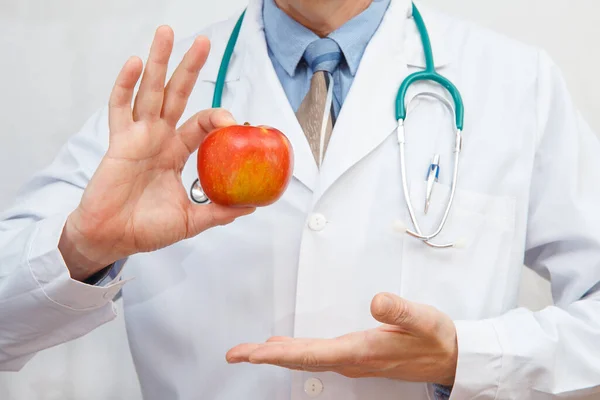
column 390, row 309
column 193, row 131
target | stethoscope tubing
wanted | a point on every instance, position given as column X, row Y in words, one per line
column 401, row 135
column 429, row 74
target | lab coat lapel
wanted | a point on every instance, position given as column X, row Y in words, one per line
column 259, row 98
column 368, row 115
column 254, row 94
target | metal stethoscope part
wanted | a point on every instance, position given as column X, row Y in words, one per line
column 428, row 74
column 197, row 194
column 457, row 148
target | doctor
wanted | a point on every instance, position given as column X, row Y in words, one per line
column 323, row 294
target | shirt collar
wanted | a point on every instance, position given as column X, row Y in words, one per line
column 354, row 36
column 288, row 39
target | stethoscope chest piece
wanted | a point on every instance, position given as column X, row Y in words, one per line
column 197, row 194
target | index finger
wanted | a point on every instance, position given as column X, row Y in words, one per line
column 305, row 354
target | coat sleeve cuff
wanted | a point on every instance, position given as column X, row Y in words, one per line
column 479, row 361
column 108, row 275
column 50, row 271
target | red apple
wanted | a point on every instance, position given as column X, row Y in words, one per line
column 245, row 166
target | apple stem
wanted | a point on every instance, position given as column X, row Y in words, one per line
column 246, row 123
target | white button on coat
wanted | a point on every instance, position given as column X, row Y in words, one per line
column 317, row 222
column 313, row 387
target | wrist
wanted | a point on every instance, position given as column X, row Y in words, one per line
column 82, row 257
column 449, row 375
column 449, row 362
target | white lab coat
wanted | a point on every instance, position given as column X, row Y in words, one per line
column 309, row 265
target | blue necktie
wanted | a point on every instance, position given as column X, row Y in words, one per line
column 323, row 56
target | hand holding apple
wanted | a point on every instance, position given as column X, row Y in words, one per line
column 136, row 202
column 245, row 166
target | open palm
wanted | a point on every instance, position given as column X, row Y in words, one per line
column 135, row 202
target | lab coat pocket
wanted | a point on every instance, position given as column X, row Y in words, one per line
column 468, row 281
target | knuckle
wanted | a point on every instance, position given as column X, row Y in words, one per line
column 366, row 359
column 182, row 92
column 365, row 356
column 203, row 120
column 113, row 101
column 190, row 69
column 401, row 312
column 309, row 360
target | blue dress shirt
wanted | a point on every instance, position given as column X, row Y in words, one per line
column 287, row 41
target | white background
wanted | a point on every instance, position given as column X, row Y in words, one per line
column 58, row 60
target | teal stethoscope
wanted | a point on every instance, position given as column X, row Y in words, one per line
column 429, row 74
